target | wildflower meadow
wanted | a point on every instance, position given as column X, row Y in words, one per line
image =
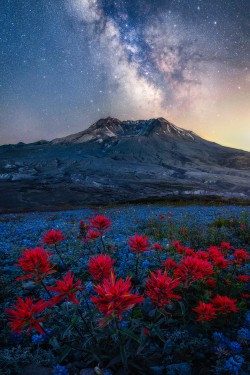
column 135, row 289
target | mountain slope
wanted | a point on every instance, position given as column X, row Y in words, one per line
column 114, row 161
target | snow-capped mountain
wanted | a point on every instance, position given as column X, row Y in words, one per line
column 112, row 128
column 114, row 161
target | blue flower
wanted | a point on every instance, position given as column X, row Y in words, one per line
column 235, row 347
column 146, row 263
column 89, row 287
column 218, row 336
column 124, row 323
column 248, row 318
column 60, row 370
column 244, row 334
column 233, row 364
column 38, row 339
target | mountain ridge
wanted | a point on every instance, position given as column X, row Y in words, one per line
column 126, row 128
column 117, row 161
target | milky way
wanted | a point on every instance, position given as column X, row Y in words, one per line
column 67, row 63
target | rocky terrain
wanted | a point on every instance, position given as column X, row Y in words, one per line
column 119, row 161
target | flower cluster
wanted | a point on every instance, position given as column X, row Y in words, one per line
column 115, row 296
column 53, row 237
column 138, row 244
column 36, row 264
column 160, row 288
column 218, row 305
column 100, row 266
column 136, row 289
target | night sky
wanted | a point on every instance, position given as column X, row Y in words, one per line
column 66, row 63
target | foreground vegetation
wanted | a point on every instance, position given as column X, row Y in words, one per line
column 155, row 293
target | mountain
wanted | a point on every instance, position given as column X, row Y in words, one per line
column 118, row 161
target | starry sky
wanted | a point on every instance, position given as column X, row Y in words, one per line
column 66, row 63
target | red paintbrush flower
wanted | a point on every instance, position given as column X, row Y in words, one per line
column 65, row 289
column 217, row 257
column 169, row 264
column 157, row 247
column 245, row 295
column 100, row 266
column 220, row 262
column 101, row 223
column 160, row 288
column 210, row 283
column 26, row 314
column 240, row 256
column 115, row 296
column 243, row 278
column 83, row 227
column 178, row 247
column 53, row 237
column 35, row 263
column 189, row 252
column 92, row 235
column 214, row 252
column 184, row 231
column 202, row 255
column 224, row 304
column 206, row 311
column 192, row 269
column 225, row 246
column 138, row 244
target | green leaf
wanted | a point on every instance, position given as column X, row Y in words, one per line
column 131, row 334
column 72, row 324
column 183, row 309
column 124, row 357
column 55, row 343
column 64, row 354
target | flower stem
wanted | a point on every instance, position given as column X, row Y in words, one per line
column 59, row 254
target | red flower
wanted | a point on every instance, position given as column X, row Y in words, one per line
column 138, row 244
column 240, row 256
column 179, row 248
column 217, row 257
column 245, row 295
column 157, row 247
column 35, row 263
column 145, row 331
column 224, row 304
column 65, row 288
column 160, row 288
column 24, row 315
column 188, row 252
column 52, row 237
column 101, row 223
column 202, row 255
column 100, row 266
column 92, row 235
column 83, row 228
column 115, row 296
column 210, row 283
column 192, row 269
column 221, row 262
column 214, row 252
column 176, row 243
column 225, row 246
column 184, row 231
column 243, row 278
column 169, row 264
column 206, row 311
column 162, row 217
